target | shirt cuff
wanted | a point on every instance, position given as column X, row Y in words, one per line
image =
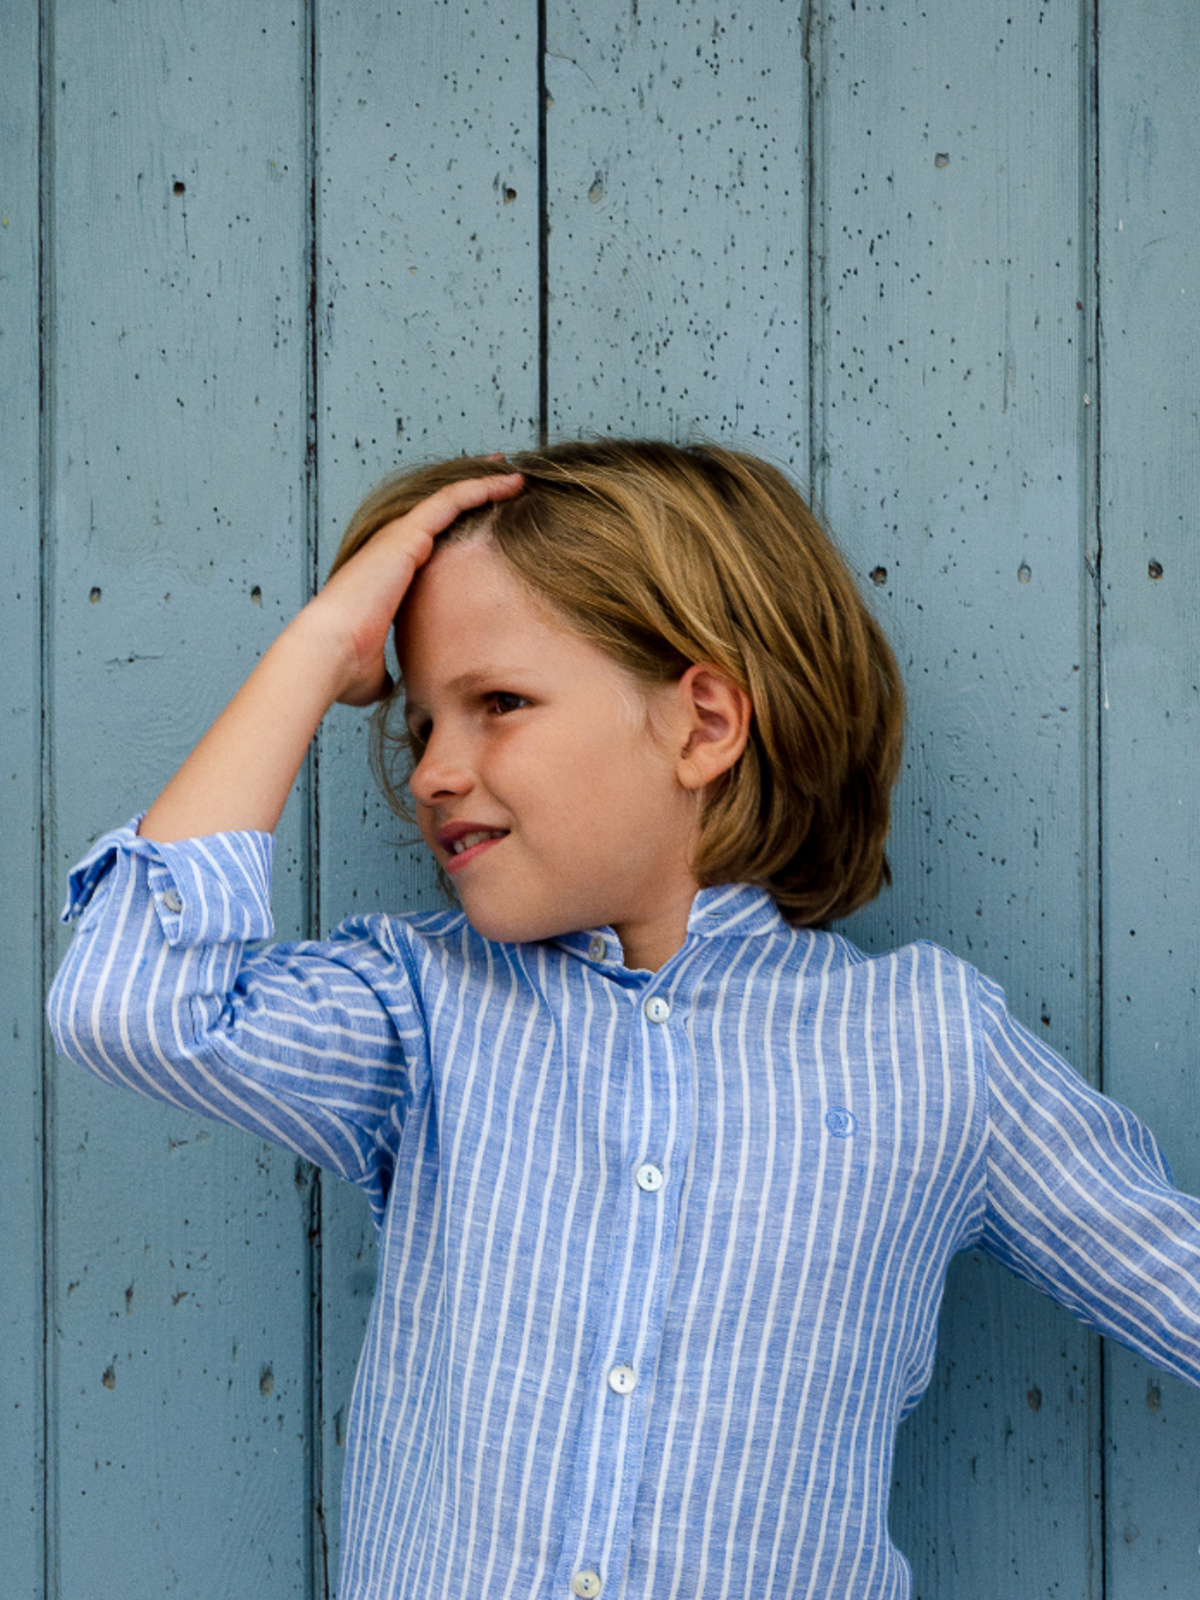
column 209, row 890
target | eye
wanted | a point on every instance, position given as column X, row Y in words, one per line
column 502, row 702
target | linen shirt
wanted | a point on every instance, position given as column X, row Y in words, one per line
column 660, row 1253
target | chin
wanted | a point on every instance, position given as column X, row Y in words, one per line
column 509, row 927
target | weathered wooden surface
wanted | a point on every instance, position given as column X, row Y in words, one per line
column 179, row 1266
column 22, row 1475
column 677, row 205
column 949, row 361
column 289, row 245
column 1150, row 713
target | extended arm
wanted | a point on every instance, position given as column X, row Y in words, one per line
column 1081, row 1203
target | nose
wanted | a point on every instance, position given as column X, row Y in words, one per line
column 442, row 773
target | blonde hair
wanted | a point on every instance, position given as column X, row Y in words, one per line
column 667, row 555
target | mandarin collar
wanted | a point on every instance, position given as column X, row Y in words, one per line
column 727, row 910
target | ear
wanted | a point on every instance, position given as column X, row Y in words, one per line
column 716, row 717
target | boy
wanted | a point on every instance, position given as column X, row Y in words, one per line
column 666, row 1176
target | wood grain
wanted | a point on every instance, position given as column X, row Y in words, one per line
column 180, row 1287
column 677, row 204
column 1150, row 714
column 22, row 1478
column 950, row 363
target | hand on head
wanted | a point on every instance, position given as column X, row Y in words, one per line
column 360, row 601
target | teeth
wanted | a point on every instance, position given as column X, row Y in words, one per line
column 468, row 839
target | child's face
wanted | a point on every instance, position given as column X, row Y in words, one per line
column 548, row 787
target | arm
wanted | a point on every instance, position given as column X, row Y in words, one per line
column 241, row 772
column 318, row 1047
column 1080, row 1200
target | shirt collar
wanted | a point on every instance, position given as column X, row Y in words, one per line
column 727, row 910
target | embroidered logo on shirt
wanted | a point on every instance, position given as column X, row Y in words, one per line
column 840, row 1121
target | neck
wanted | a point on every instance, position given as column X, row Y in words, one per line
column 650, row 942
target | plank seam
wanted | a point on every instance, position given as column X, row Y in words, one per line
column 815, row 179
column 45, row 843
column 318, row 1541
column 543, row 232
column 1090, row 20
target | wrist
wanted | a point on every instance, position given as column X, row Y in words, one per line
column 318, row 652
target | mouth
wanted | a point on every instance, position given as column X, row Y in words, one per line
column 463, row 842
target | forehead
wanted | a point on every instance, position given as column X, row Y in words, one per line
column 467, row 605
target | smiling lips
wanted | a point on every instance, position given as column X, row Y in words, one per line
column 462, row 842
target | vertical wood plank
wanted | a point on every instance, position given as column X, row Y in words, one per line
column 180, row 1293
column 21, row 1031
column 1150, row 489
column 678, row 256
column 427, row 330
column 950, row 364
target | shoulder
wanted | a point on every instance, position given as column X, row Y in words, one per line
column 918, row 967
column 428, row 945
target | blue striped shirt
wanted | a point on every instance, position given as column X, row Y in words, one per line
column 660, row 1254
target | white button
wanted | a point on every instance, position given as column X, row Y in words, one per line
column 172, row 902
column 649, row 1178
column 657, row 1009
column 586, row 1584
column 622, row 1380
column 598, row 949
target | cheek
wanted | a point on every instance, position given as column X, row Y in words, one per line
column 425, row 822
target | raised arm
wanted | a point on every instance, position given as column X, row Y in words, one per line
column 318, row 1046
column 240, row 774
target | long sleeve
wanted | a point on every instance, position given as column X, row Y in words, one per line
column 317, row 1046
column 1080, row 1200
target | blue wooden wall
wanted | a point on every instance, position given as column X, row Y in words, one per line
column 940, row 259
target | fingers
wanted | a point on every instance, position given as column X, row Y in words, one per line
column 435, row 515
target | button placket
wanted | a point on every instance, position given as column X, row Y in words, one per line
column 631, row 1323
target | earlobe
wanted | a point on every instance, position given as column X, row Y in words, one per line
column 717, row 715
